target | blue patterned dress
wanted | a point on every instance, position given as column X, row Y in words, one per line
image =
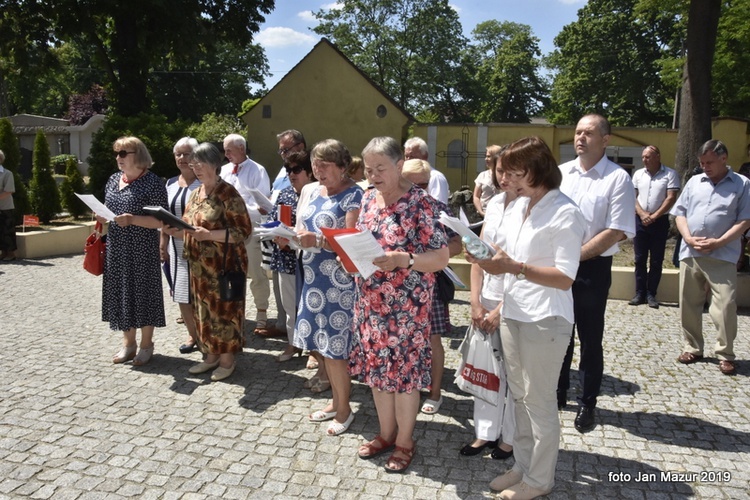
column 324, row 314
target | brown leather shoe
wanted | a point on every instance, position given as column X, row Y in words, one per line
column 270, row 332
column 687, row 358
column 727, row 367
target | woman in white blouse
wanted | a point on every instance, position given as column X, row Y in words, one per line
column 543, row 233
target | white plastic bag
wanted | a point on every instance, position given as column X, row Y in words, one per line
column 480, row 369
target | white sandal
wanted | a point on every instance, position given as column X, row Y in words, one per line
column 321, row 416
column 143, row 356
column 431, row 407
column 336, row 428
column 126, row 354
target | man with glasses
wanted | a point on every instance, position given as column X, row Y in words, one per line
column 245, row 174
column 290, row 141
column 711, row 214
column 416, row 149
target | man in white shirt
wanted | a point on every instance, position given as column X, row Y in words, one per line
column 416, row 149
column 244, row 174
column 656, row 188
column 605, row 195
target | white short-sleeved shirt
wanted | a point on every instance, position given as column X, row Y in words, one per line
column 711, row 210
column 651, row 190
column 492, row 284
column 250, row 175
column 438, row 186
column 484, row 181
column 551, row 236
column 605, row 196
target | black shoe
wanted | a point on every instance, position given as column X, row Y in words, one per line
column 637, row 300
column 470, row 451
column 188, row 348
column 500, row 454
column 585, row 420
column 652, row 302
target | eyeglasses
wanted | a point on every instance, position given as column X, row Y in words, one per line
column 294, row 170
column 284, row 151
column 195, row 165
column 182, row 155
column 123, row 153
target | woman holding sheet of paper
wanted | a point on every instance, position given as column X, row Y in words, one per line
column 284, row 258
column 391, row 349
column 324, row 313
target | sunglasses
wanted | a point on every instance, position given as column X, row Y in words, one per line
column 123, row 153
column 294, row 170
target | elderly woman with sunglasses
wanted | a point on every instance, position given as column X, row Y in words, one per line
column 284, row 258
column 131, row 289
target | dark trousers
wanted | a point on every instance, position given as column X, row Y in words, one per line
column 651, row 239
column 590, row 290
column 7, row 231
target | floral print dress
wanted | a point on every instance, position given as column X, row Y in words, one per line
column 219, row 323
column 391, row 328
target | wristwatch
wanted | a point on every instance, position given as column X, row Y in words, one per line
column 411, row 261
column 522, row 273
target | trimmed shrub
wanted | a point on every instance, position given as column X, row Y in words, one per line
column 45, row 199
column 72, row 184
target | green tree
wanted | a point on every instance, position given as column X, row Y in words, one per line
column 731, row 68
column 410, row 48
column 157, row 133
column 609, row 61
column 45, row 199
column 72, row 184
column 215, row 127
column 506, row 61
column 130, row 39
column 10, row 147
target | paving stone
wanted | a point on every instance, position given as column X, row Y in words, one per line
column 75, row 426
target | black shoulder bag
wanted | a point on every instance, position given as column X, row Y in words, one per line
column 231, row 283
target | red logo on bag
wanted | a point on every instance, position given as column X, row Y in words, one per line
column 481, row 378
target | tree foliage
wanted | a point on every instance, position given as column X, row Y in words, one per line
column 506, row 61
column 410, row 48
column 81, row 107
column 45, row 199
column 215, row 127
column 609, row 61
column 157, row 133
column 132, row 45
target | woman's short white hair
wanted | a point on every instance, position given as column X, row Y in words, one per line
column 185, row 141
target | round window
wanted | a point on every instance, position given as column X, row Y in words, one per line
column 381, row 111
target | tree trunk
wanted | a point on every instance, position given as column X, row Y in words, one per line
column 695, row 102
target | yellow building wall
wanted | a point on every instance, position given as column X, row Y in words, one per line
column 323, row 97
column 733, row 132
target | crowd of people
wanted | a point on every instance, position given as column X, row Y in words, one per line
column 553, row 229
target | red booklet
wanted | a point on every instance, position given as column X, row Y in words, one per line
column 346, row 261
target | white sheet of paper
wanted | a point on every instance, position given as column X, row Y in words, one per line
column 97, row 206
column 462, row 229
column 261, row 199
column 361, row 248
column 454, row 277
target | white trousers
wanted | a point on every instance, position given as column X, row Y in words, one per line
column 260, row 287
column 288, row 293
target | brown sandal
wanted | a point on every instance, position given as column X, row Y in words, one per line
column 687, row 358
column 374, row 451
column 401, row 464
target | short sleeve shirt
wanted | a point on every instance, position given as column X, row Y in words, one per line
column 652, row 189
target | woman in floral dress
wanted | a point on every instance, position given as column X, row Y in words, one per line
column 391, row 344
column 215, row 209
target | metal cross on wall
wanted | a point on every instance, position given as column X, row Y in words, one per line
column 464, row 155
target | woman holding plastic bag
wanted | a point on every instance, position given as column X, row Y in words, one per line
column 491, row 420
column 543, row 233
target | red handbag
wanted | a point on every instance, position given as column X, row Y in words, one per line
column 94, row 251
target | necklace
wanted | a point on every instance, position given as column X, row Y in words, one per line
column 129, row 181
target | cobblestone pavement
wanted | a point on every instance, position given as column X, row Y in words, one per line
column 73, row 425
